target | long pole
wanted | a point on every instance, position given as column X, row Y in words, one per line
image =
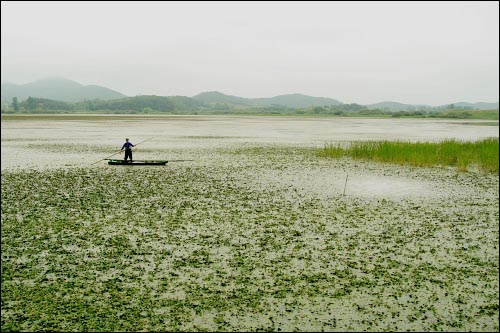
column 345, row 183
column 119, row 152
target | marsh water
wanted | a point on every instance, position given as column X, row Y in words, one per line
column 82, row 140
column 109, row 131
column 254, row 230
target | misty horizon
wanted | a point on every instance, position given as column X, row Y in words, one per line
column 357, row 52
column 255, row 97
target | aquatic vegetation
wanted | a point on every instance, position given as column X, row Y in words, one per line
column 454, row 153
column 197, row 248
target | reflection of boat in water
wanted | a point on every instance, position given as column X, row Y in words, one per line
column 137, row 162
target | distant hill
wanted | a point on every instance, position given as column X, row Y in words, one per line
column 296, row 101
column 478, row 106
column 64, row 90
column 396, row 106
column 215, row 97
column 59, row 89
column 289, row 100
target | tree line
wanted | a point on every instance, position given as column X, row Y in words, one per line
column 186, row 105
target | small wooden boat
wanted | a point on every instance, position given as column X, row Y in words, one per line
column 137, row 162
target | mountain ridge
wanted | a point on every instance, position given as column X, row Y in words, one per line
column 294, row 100
column 59, row 89
column 62, row 89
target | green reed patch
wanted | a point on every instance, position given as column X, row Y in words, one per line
column 448, row 153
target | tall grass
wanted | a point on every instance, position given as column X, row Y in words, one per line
column 463, row 155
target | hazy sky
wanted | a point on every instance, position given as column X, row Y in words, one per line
column 357, row 52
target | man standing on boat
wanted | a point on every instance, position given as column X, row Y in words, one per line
column 128, row 149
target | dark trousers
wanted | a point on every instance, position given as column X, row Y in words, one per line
column 128, row 153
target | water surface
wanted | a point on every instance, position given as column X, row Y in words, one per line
column 54, row 141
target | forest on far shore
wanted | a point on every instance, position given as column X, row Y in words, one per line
column 187, row 105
